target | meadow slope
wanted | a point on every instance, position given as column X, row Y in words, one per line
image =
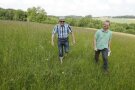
column 29, row 62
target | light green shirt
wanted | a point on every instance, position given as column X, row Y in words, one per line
column 103, row 38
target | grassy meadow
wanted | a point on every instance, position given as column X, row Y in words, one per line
column 29, row 62
column 118, row 20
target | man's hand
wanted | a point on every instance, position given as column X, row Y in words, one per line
column 95, row 49
column 109, row 49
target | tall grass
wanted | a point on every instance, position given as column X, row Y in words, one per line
column 29, row 62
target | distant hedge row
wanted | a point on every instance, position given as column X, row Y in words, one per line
column 38, row 14
column 92, row 23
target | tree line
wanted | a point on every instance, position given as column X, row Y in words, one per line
column 38, row 14
column 126, row 16
column 34, row 14
column 93, row 23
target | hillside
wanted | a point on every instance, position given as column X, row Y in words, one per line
column 118, row 20
column 29, row 62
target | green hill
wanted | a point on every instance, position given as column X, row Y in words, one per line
column 29, row 62
column 118, row 20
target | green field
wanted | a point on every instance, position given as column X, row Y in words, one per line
column 118, row 20
column 29, row 62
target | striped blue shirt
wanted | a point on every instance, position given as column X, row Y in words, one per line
column 62, row 31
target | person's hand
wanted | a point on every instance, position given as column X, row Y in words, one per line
column 109, row 49
column 73, row 42
column 109, row 52
column 95, row 49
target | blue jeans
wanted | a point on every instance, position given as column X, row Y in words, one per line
column 104, row 56
column 63, row 43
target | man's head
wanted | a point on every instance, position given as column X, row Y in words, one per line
column 61, row 20
column 106, row 25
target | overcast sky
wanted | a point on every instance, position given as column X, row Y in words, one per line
column 76, row 7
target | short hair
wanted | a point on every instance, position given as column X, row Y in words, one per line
column 108, row 21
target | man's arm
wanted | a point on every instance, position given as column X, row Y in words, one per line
column 53, row 34
column 52, row 40
column 95, row 48
column 73, row 37
column 109, row 43
column 95, row 40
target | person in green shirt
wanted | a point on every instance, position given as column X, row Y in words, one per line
column 102, row 43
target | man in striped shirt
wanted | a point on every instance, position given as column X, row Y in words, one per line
column 63, row 30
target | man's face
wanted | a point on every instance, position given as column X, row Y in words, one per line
column 106, row 25
column 61, row 22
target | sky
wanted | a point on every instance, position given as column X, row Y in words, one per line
column 76, row 7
